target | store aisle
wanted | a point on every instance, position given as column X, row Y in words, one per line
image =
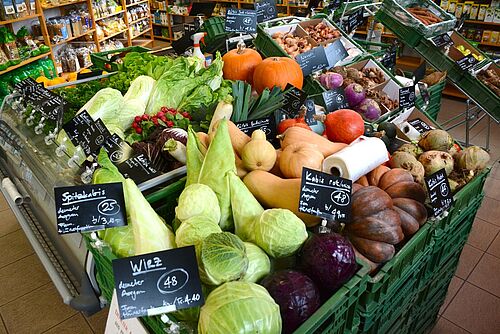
column 30, row 304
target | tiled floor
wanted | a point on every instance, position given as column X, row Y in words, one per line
column 30, row 304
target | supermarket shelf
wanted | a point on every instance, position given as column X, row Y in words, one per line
column 139, row 20
column 110, row 15
column 113, row 35
column 162, row 38
column 281, row 5
column 160, row 25
column 227, row 1
column 482, row 23
column 136, row 3
column 141, row 33
column 490, row 44
column 91, row 31
column 19, row 19
column 149, row 41
column 25, row 62
column 183, row 15
column 65, row 4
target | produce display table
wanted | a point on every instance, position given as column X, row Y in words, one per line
column 398, row 292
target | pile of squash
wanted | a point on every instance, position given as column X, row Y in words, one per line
column 387, row 209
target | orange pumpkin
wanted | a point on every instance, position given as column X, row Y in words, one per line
column 240, row 63
column 277, row 71
column 344, row 126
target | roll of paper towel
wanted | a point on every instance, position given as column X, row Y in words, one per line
column 360, row 157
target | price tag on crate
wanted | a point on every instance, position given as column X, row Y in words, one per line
column 88, row 208
column 325, row 195
column 335, row 99
column 335, row 52
column 293, row 99
column 90, row 135
column 424, row 92
column 266, row 10
column 139, row 168
column 118, row 150
column 388, row 60
column 313, row 60
column 156, row 283
column 467, row 62
column 442, row 40
column 439, row 192
column 354, row 20
column 241, row 20
column 407, row 97
column 266, row 124
column 310, row 112
column 420, row 125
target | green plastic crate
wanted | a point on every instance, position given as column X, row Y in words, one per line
column 336, row 315
column 435, row 95
column 100, row 59
column 389, row 315
column 473, row 87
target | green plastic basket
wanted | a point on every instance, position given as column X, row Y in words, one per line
column 435, row 95
column 101, row 61
column 336, row 315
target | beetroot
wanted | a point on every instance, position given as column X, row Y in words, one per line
column 354, row 94
column 369, row 109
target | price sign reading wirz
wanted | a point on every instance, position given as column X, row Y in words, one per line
column 325, row 195
column 157, row 283
column 241, row 20
column 89, row 207
column 439, row 192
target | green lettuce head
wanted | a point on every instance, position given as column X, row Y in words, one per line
column 279, row 232
column 198, row 200
column 193, row 230
column 239, row 307
column 259, row 264
column 222, row 258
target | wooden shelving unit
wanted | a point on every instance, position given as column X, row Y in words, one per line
column 25, row 62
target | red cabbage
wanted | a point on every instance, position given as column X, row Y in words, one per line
column 295, row 293
column 354, row 94
column 369, row 109
column 329, row 259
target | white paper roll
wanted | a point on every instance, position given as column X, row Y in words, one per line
column 360, row 157
column 11, row 190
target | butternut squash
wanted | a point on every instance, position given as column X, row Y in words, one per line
column 238, row 138
column 276, row 168
column 274, row 192
column 258, row 154
column 363, row 180
column 296, row 134
column 297, row 156
column 240, row 169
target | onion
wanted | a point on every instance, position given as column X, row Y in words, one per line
column 369, row 109
column 354, row 94
column 331, row 80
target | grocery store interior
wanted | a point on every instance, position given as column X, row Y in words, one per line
column 150, row 100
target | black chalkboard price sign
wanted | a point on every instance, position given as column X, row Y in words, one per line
column 388, row 60
column 118, row 150
column 335, row 99
column 310, row 112
column 266, row 124
column 439, row 192
column 156, row 283
column 442, row 40
column 467, row 62
column 90, row 135
column 407, row 97
column 266, row 10
column 138, row 168
column 89, row 208
column 312, row 61
column 241, row 20
column 335, row 52
column 293, row 99
column 354, row 20
column 48, row 103
column 420, row 125
column 325, row 195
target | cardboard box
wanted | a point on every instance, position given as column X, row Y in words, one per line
column 482, row 12
column 473, row 12
column 452, row 6
column 489, row 15
column 459, row 10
